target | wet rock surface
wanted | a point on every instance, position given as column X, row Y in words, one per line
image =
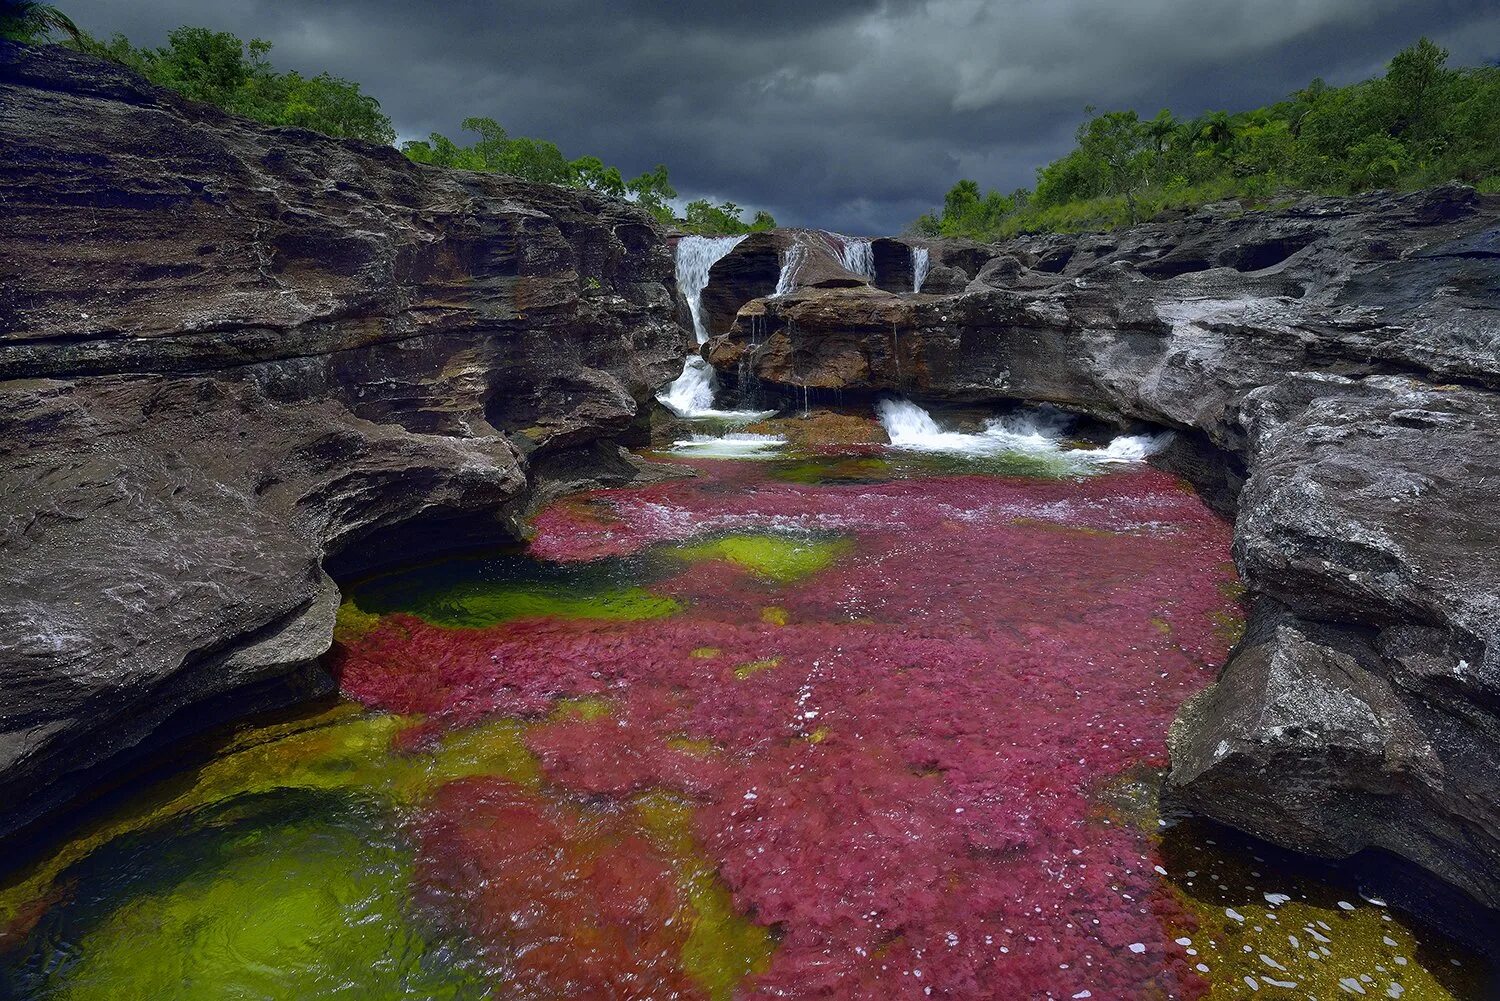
column 1332, row 369
column 230, row 352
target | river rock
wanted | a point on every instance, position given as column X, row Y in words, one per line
column 234, row 358
column 1331, row 369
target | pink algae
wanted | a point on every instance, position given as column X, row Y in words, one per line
column 907, row 789
column 564, row 902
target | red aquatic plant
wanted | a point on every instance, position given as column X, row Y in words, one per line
column 896, row 761
column 563, row 901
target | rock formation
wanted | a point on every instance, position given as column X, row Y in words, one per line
column 1332, row 370
column 234, row 356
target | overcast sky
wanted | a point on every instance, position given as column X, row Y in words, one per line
column 856, row 116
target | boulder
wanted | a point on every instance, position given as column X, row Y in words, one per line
column 234, row 357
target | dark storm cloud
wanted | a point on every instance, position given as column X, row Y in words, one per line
column 856, row 116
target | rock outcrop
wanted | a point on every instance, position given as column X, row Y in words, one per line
column 232, row 356
column 1333, row 371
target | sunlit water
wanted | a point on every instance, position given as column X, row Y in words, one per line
column 877, row 723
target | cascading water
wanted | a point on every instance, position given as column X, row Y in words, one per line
column 791, row 262
column 1036, row 433
column 692, row 393
column 696, row 256
column 919, row 258
column 857, row 256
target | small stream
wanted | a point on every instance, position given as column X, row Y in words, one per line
column 856, row 722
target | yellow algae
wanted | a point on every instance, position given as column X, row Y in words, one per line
column 1285, row 931
column 694, row 746
column 341, row 749
column 773, row 614
column 819, row 735
column 476, row 604
column 585, row 707
column 1057, row 526
column 723, row 946
column 350, row 623
column 756, row 666
column 774, row 557
column 264, row 901
column 706, row 652
column 1228, row 626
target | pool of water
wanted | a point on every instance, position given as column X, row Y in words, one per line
column 864, row 724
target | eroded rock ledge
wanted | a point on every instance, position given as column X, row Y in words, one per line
column 1333, row 371
column 229, row 353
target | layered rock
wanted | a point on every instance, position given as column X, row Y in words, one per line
column 232, row 356
column 1332, row 369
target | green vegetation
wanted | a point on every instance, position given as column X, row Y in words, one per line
column 1420, row 124
column 779, row 559
column 280, row 896
column 221, row 69
column 539, row 160
column 34, row 23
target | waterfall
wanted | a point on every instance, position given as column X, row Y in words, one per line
column 791, row 260
column 1039, row 433
column 919, row 256
column 691, row 394
column 696, row 256
column 858, row 257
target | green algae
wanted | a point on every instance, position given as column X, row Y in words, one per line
column 819, row 470
column 586, row 708
column 474, row 592
column 1246, row 925
column 778, row 558
column 284, row 895
column 723, row 946
column 338, row 751
column 480, row 604
column 350, row 623
column 755, row 667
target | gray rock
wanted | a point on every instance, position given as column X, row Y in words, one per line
column 234, row 356
column 1332, row 369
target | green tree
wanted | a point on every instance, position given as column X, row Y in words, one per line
column 1417, row 80
column 652, row 191
column 590, row 172
column 1121, row 142
column 34, row 23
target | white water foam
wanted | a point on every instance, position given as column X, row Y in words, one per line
column 1028, row 432
column 735, row 445
column 857, row 256
column 791, row 262
column 919, row 259
column 696, row 256
column 692, row 393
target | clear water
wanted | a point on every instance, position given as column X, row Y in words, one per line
column 874, row 722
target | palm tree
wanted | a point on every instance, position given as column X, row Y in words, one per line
column 1161, row 129
column 1217, row 131
column 31, row 22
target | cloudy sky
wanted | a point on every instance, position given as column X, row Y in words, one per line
column 855, row 115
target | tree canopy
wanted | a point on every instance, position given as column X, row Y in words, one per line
column 1421, row 123
column 222, row 69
